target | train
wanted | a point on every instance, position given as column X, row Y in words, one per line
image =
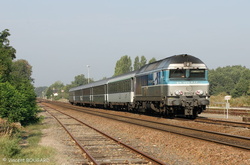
column 175, row 86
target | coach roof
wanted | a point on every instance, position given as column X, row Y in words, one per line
column 96, row 83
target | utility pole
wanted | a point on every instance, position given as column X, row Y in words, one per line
column 88, row 66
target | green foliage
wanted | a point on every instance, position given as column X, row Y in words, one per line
column 7, row 54
column 9, row 146
column 152, row 60
column 55, row 90
column 234, row 80
column 29, row 103
column 143, row 61
column 21, row 79
column 40, row 91
column 17, row 106
column 139, row 63
column 11, row 106
column 17, row 97
column 5, row 66
column 21, row 72
column 59, row 91
column 80, row 80
column 5, row 44
column 123, row 65
column 25, row 145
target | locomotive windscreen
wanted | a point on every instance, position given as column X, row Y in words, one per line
column 187, row 73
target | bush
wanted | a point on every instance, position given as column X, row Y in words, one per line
column 16, row 106
column 11, row 103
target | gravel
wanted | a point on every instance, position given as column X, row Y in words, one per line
column 67, row 153
column 168, row 147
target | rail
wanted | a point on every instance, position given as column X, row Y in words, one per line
column 221, row 138
column 90, row 156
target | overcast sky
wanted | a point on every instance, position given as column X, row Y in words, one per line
column 59, row 38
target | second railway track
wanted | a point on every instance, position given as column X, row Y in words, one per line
column 221, row 138
column 99, row 147
column 222, row 122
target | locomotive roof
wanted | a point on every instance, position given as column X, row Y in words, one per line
column 168, row 63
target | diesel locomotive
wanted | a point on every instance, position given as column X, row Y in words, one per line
column 177, row 85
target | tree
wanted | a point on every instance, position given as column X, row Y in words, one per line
column 234, row 80
column 80, row 80
column 242, row 86
column 17, row 96
column 41, row 91
column 5, row 66
column 56, row 90
column 137, row 64
column 143, row 61
column 123, row 65
column 5, row 44
column 152, row 60
column 7, row 54
column 21, row 71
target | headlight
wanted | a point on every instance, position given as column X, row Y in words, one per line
column 199, row 92
column 178, row 93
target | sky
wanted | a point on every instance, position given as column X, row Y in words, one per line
column 59, row 38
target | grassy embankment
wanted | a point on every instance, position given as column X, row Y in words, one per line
column 20, row 145
column 243, row 101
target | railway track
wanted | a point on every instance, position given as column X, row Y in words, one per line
column 221, row 138
column 233, row 112
column 99, row 147
column 222, row 122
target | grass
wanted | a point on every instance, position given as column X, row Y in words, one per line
column 243, row 101
column 9, row 146
column 23, row 147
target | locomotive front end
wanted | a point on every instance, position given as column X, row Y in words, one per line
column 177, row 85
column 187, row 87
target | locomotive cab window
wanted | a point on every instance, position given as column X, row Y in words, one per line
column 177, row 73
column 197, row 73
